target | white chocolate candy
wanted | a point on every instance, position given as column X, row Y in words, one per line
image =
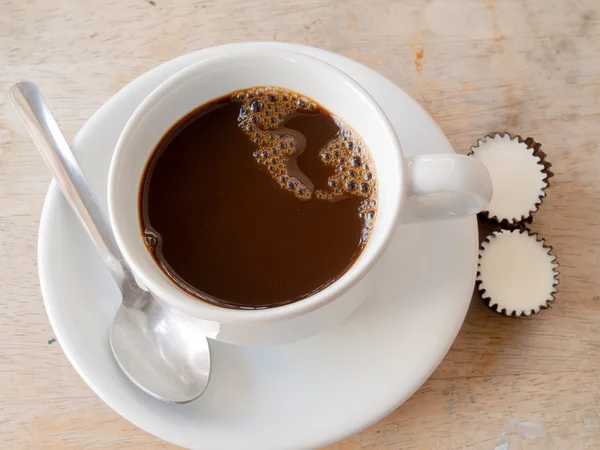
column 517, row 273
column 518, row 177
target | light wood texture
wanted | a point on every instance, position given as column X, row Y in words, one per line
column 531, row 67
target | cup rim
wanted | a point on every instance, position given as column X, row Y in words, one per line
column 191, row 305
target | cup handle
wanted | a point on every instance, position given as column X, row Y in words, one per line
column 445, row 185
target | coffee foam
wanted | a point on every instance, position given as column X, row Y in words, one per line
column 262, row 116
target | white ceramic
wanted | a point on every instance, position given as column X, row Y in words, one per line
column 442, row 184
column 295, row 396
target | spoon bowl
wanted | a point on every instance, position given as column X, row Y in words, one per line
column 177, row 370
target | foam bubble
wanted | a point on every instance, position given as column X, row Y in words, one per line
column 152, row 240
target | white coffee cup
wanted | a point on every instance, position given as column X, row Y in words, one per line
column 420, row 188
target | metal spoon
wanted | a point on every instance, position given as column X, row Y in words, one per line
column 160, row 349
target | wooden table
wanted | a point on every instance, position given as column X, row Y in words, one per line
column 531, row 67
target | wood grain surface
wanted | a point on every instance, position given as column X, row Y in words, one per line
column 531, row 67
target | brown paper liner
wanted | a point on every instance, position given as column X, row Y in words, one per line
column 551, row 295
column 523, row 221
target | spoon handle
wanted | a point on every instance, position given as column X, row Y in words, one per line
column 55, row 150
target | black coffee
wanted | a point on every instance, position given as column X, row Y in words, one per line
column 258, row 199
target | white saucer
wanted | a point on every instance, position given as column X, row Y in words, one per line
column 302, row 395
